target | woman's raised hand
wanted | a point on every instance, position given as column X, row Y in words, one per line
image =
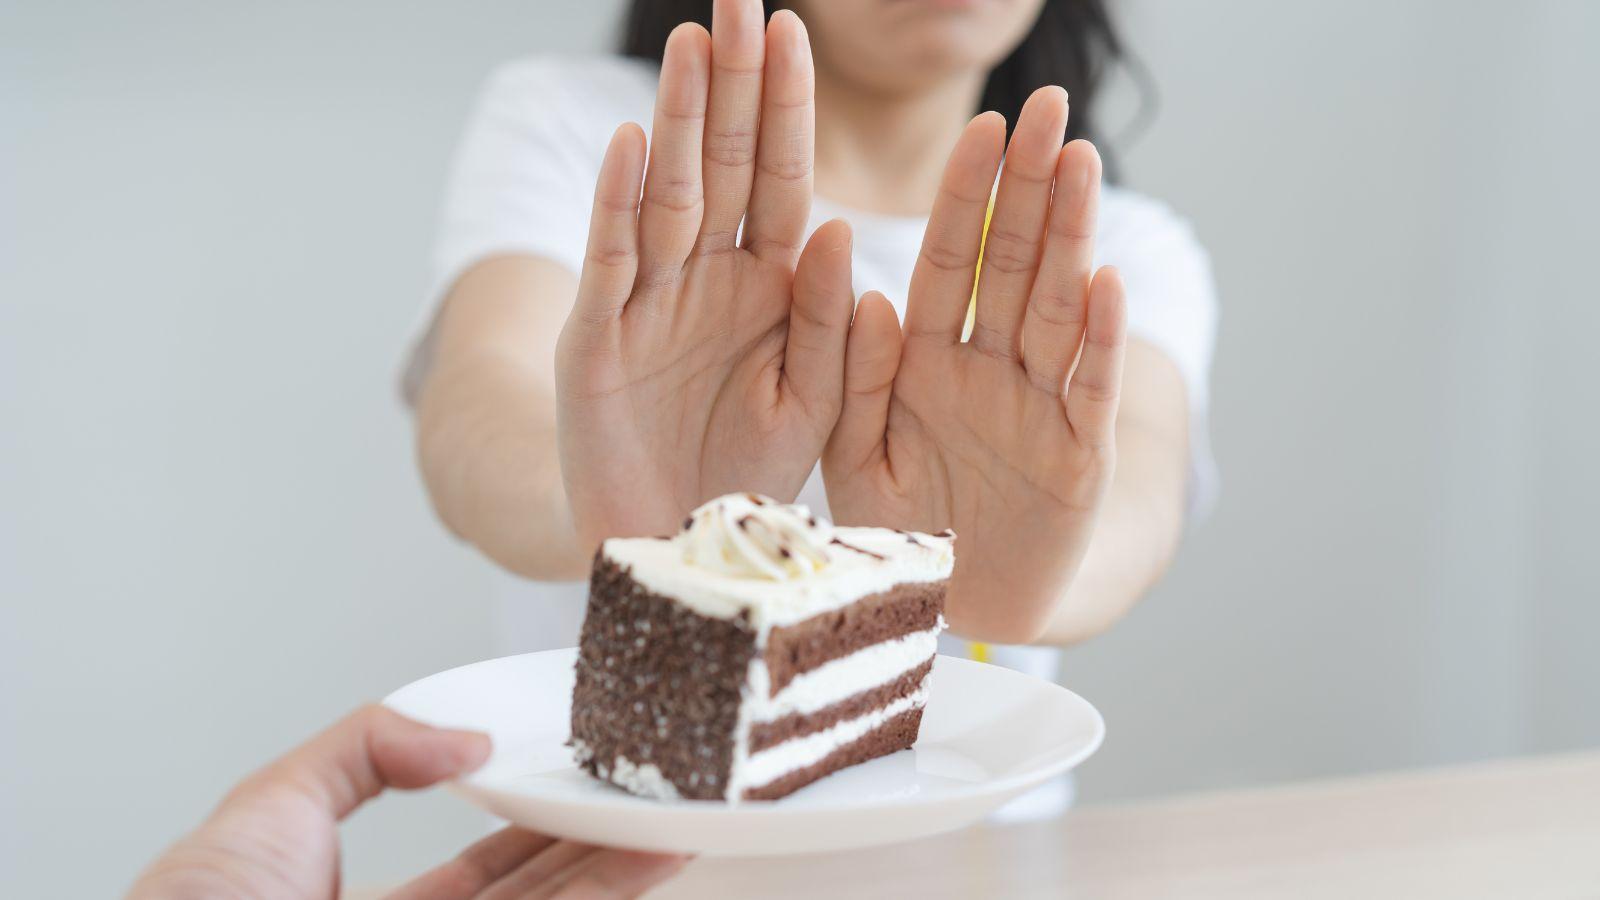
column 700, row 358
column 1008, row 437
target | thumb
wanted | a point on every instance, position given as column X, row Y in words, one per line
column 370, row 750
column 819, row 320
column 872, row 359
column 611, row 259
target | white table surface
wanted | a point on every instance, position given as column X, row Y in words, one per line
column 1526, row 828
column 1521, row 828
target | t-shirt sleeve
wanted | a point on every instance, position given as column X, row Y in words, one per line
column 1172, row 304
column 522, row 178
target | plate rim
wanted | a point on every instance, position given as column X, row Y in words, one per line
column 470, row 784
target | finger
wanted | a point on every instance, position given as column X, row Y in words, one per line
column 872, row 358
column 669, row 214
column 738, row 44
column 369, row 750
column 1053, row 326
column 478, row 866
column 534, row 877
column 941, row 282
column 616, row 874
column 1021, row 205
column 819, row 323
column 1097, row 381
column 780, row 198
column 612, row 258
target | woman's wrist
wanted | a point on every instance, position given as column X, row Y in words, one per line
column 492, row 473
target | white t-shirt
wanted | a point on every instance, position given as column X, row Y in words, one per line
column 523, row 181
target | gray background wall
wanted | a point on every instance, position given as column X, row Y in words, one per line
column 212, row 539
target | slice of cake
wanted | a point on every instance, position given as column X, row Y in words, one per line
column 756, row 651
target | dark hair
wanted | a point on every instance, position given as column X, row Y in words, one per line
column 1072, row 44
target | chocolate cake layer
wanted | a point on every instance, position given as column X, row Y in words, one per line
column 896, row 734
column 768, row 734
column 657, row 684
column 904, row 609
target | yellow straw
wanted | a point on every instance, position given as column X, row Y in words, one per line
column 978, row 650
column 972, row 306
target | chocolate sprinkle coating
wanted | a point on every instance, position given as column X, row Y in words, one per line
column 658, row 684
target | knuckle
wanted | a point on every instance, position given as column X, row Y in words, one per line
column 976, row 194
column 760, row 245
column 657, row 278
column 1057, row 308
column 1111, row 343
column 677, row 194
column 806, row 321
column 1031, row 171
column 615, row 204
column 1042, row 372
column 610, row 257
column 682, row 114
column 946, row 258
column 730, row 147
column 1095, row 391
column 800, row 101
column 713, row 243
column 742, row 65
column 787, row 170
column 1009, row 253
column 1071, row 228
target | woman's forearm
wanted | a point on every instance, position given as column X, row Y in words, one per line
column 1138, row 535
column 486, row 438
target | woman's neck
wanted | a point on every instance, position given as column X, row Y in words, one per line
column 884, row 153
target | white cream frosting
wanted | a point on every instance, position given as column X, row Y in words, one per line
column 751, row 536
column 839, row 679
column 721, row 569
column 813, row 691
column 646, row 779
column 773, row 763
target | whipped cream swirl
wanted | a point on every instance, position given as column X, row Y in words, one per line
column 751, row 536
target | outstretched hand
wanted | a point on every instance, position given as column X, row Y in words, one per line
column 277, row 835
column 699, row 358
column 1007, row 437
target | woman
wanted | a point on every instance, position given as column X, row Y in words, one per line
column 621, row 333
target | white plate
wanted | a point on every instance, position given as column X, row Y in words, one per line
column 988, row 735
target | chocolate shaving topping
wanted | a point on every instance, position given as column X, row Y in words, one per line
column 687, row 521
column 757, row 499
column 879, row 556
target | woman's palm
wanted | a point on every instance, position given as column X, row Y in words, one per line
column 705, row 352
column 987, row 436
